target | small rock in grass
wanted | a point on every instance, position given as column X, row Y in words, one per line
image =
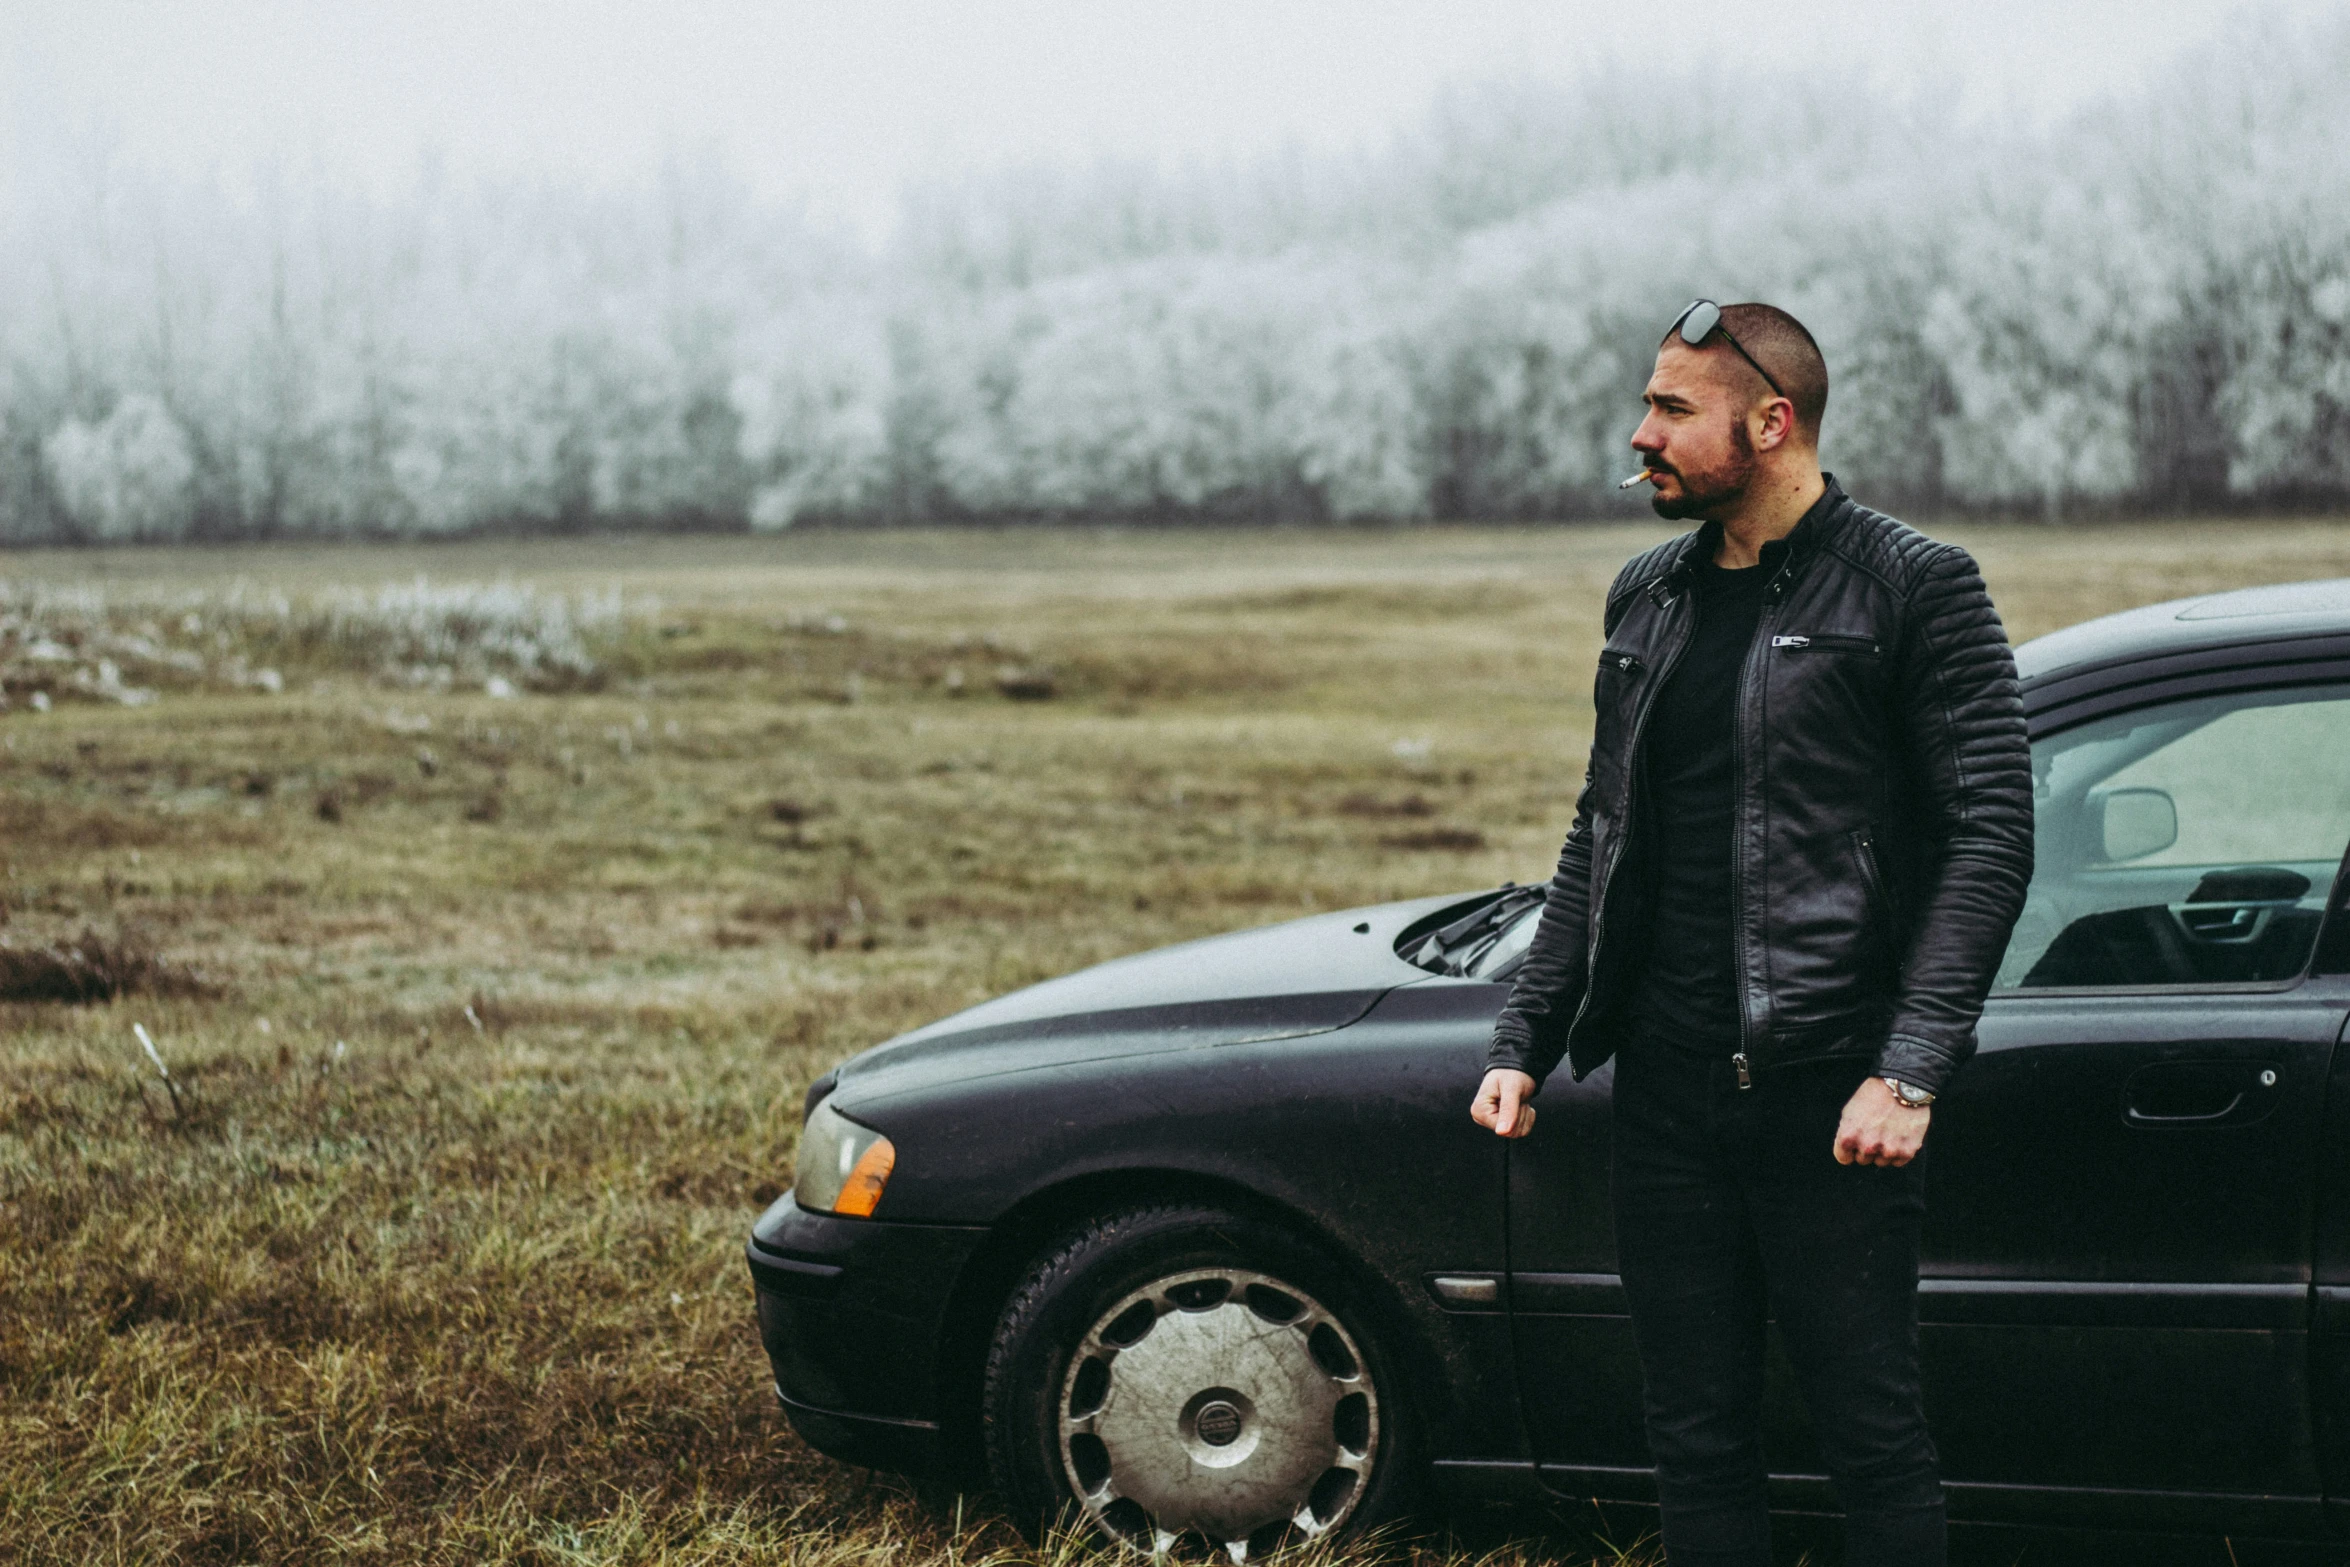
column 1456, row 840
column 1025, row 685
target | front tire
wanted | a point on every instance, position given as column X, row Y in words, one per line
column 1179, row 1372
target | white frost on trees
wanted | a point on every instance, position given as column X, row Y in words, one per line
column 130, row 475
column 811, row 397
column 2147, row 304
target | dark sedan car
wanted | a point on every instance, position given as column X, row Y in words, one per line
column 1204, row 1243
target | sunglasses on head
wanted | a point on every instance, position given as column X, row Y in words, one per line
column 1702, row 320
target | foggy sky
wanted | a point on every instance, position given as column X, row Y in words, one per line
column 842, row 104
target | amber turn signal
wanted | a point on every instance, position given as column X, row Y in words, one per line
column 860, row 1194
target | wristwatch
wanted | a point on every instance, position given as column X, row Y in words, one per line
column 1909, row 1093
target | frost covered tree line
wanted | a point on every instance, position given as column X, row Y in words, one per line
column 2144, row 305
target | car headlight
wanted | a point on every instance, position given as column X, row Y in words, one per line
column 843, row 1166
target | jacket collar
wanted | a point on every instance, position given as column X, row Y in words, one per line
column 1786, row 554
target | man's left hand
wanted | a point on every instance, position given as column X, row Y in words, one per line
column 1878, row 1128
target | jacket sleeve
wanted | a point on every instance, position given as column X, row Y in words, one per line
column 1973, row 763
column 1530, row 1034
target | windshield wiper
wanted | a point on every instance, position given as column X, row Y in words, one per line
column 1450, row 949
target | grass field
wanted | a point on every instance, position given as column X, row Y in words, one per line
column 487, row 1016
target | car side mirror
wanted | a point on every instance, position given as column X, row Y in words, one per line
column 2133, row 823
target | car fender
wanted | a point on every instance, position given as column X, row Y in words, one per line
column 1357, row 1138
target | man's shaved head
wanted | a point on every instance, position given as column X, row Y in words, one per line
column 1717, row 435
column 1781, row 345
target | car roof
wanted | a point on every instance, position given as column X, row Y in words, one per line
column 2269, row 638
column 2280, row 612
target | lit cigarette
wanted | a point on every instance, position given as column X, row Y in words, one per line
column 1645, row 473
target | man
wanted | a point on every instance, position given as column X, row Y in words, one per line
column 1803, row 836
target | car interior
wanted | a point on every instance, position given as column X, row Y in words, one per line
column 2189, row 844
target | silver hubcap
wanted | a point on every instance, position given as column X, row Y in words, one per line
column 1218, row 1403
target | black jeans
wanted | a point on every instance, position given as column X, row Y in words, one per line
column 1731, row 1208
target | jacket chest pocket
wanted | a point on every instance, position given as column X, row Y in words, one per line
column 1832, row 683
column 1826, row 642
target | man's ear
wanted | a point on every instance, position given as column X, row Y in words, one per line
column 1776, row 424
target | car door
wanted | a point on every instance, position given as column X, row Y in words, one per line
column 2121, row 1185
column 1578, row 1368
column 1556, row 1305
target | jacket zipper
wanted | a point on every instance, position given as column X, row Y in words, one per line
column 1607, row 873
column 1826, row 639
column 1770, row 612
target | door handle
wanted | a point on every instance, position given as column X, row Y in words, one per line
column 2147, row 1117
column 2225, row 924
column 2187, row 1094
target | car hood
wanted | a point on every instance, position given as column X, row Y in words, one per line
column 1306, row 976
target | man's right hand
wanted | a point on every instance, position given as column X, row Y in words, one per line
column 1502, row 1102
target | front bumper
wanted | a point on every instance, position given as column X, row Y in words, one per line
column 852, row 1312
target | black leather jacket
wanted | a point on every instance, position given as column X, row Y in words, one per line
column 1883, row 817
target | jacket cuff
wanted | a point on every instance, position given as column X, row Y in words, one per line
column 1513, row 1052
column 1504, row 1061
column 1917, row 1062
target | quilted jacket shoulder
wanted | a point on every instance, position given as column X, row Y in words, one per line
column 1641, row 570
column 1883, row 547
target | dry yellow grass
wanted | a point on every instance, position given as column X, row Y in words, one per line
column 395, row 1282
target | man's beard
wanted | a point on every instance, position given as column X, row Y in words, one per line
column 1713, row 492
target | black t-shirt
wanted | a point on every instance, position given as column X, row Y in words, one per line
column 1688, row 994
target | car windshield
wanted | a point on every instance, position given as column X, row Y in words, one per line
column 1484, row 943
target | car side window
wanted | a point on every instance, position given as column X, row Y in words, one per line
column 2188, row 844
